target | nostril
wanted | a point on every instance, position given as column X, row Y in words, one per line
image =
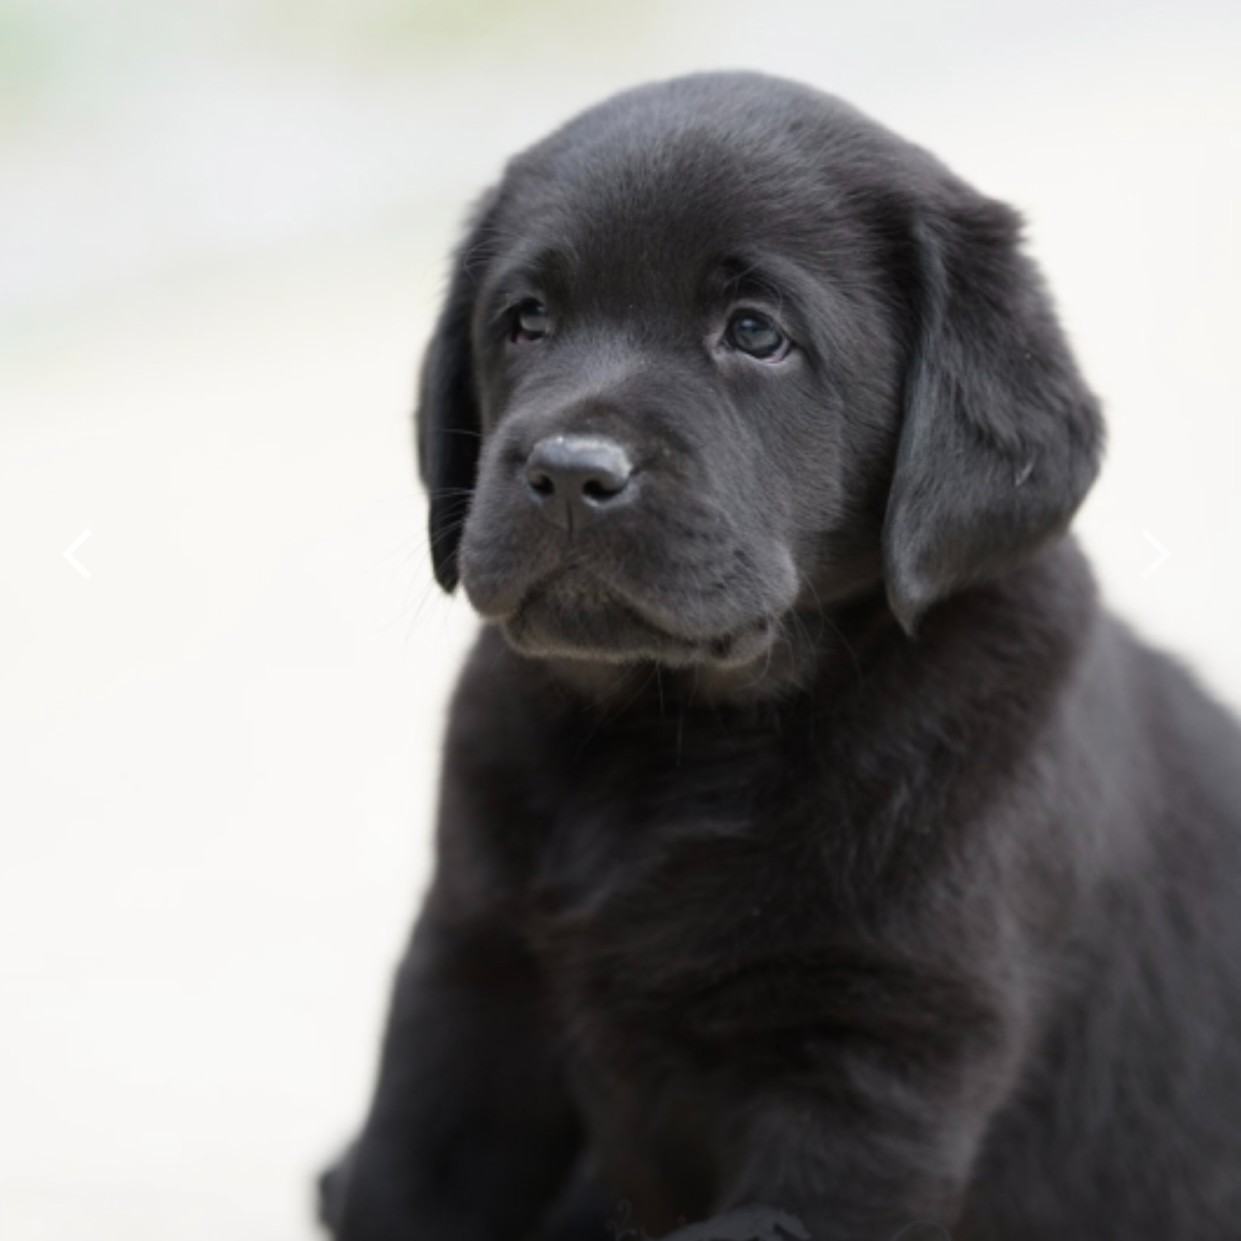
column 601, row 489
column 540, row 483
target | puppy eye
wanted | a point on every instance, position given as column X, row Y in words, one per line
column 757, row 335
column 530, row 321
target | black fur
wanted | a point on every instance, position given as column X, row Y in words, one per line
column 815, row 856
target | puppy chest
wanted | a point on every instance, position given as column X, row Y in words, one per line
column 688, row 952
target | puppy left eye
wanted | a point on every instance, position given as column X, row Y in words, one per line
column 530, row 321
column 755, row 334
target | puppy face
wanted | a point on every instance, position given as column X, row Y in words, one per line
column 721, row 350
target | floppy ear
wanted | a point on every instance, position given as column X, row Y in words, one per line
column 1001, row 437
column 447, row 422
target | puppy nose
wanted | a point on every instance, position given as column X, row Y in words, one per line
column 573, row 477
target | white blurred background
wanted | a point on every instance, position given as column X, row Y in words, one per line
column 223, row 226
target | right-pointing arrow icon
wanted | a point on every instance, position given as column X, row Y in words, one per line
column 1161, row 554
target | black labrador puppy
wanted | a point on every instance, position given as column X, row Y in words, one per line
column 816, row 857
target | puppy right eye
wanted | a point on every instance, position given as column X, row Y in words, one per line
column 530, row 321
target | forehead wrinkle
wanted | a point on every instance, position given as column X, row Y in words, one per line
column 769, row 277
column 633, row 205
column 532, row 268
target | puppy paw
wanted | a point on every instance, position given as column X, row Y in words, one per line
column 330, row 1193
column 753, row 1223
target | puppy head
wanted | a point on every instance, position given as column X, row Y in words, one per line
column 720, row 350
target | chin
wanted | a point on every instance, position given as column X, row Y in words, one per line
column 587, row 622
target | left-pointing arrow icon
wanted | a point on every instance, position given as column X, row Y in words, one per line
column 73, row 547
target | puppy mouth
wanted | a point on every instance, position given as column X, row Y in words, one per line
column 571, row 615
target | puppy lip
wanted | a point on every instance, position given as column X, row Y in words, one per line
column 641, row 634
